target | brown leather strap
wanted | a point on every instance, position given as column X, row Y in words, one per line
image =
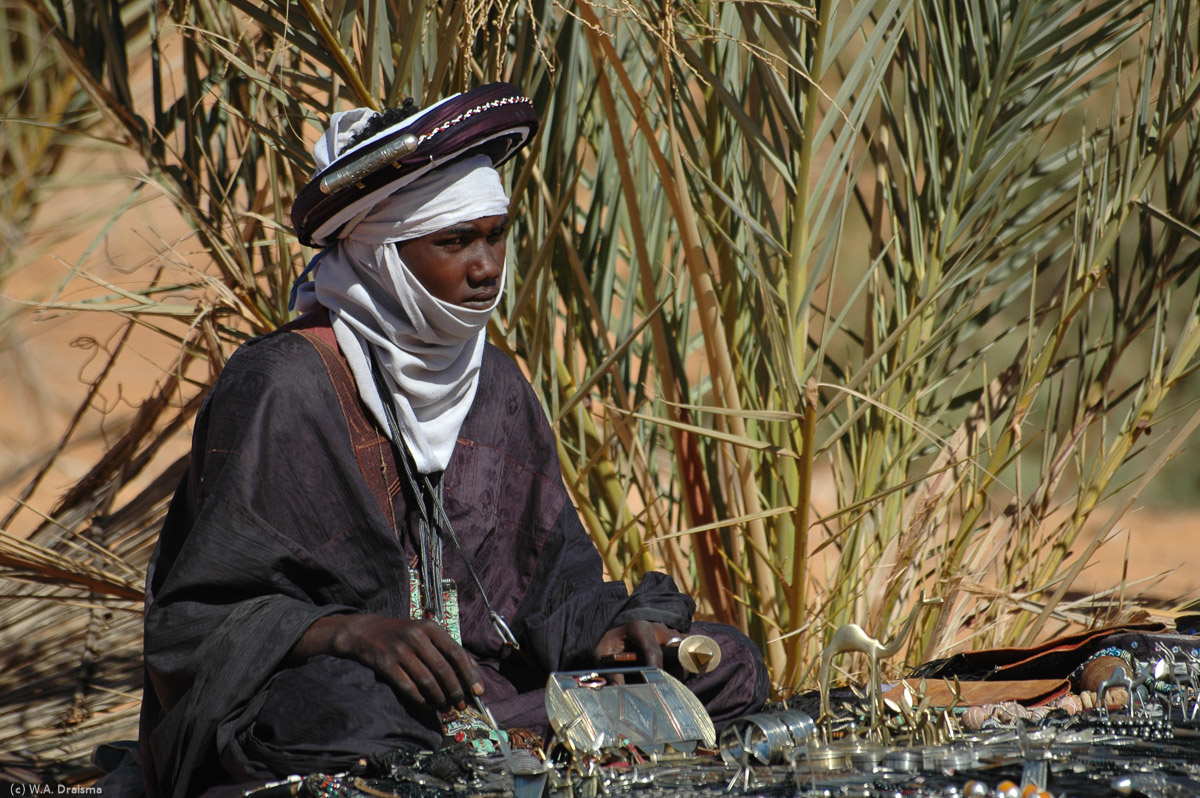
column 375, row 454
column 941, row 694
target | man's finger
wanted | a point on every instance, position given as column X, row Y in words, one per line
column 417, row 657
column 445, row 684
column 462, row 662
column 644, row 638
column 404, row 686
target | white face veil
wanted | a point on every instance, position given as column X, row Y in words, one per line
column 428, row 351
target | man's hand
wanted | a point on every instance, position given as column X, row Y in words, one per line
column 644, row 638
column 418, row 659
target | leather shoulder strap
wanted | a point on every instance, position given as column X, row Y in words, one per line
column 375, row 453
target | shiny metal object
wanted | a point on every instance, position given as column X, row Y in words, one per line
column 1118, row 678
column 651, row 710
column 768, row 737
column 1155, row 784
column 1008, row 789
column 1035, row 773
column 354, row 172
column 951, row 758
column 905, row 760
column 1138, row 686
column 822, row 758
column 699, row 654
column 867, row 758
column 275, row 789
column 501, row 734
column 1191, row 670
column 917, row 722
column 851, row 637
column 530, row 774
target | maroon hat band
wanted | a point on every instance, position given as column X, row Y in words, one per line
column 494, row 120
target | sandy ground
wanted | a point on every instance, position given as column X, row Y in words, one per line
column 49, row 359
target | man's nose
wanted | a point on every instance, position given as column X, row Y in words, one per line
column 487, row 264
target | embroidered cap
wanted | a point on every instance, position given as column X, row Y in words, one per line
column 494, row 120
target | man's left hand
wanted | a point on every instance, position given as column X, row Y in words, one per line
column 644, row 638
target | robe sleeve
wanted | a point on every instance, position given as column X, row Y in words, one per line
column 248, row 557
column 568, row 606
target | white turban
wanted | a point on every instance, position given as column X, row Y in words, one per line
column 428, row 350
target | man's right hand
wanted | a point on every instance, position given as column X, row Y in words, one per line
column 418, row 659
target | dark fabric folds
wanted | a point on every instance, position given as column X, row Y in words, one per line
column 292, row 510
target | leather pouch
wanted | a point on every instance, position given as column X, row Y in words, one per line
column 1030, row 692
column 1054, row 659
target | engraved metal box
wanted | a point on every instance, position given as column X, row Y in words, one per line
column 651, row 710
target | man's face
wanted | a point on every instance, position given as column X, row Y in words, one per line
column 460, row 264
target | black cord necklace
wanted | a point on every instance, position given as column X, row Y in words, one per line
column 434, row 523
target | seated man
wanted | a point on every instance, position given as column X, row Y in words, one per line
column 374, row 527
